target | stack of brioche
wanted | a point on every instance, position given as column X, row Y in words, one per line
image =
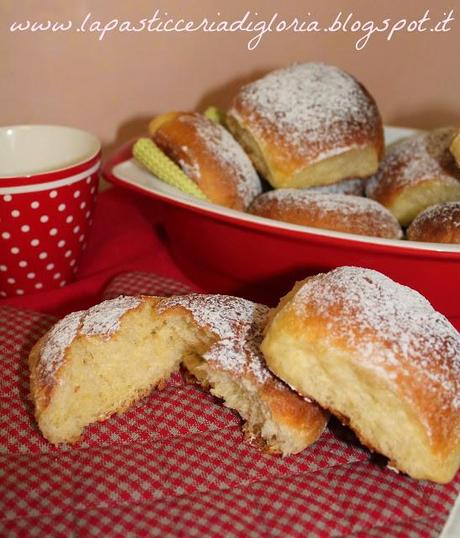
column 312, row 136
column 350, row 342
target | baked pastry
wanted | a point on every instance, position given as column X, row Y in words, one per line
column 209, row 155
column 95, row 363
column 308, row 124
column 223, row 355
column 455, row 147
column 439, row 223
column 347, row 186
column 377, row 355
column 339, row 212
column 416, row 172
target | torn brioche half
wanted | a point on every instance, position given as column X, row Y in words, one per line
column 377, row 355
column 98, row 362
column 224, row 334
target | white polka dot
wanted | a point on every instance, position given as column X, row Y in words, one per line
column 22, row 263
column 7, row 197
column 14, row 250
column 15, row 213
column 50, row 266
column 2, row 293
column 53, row 194
column 72, row 262
column 62, row 283
column 53, row 231
column 93, row 190
column 81, row 238
column 35, row 242
column 61, row 243
column 76, row 194
column 6, row 235
column 3, row 268
column 69, row 219
column 76, row 229
column 56, row 276
column 61, row 207
column 68, row 254
column 43, row 255
column 34, row 204
column 88, row 180
column 83, row 205
column 25, row 228
column 44, row 218
column 31, row 275
column 38, row 285
column 88, row 214
column 19, row 292
column 11, row 281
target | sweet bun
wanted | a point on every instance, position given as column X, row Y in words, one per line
column 79, row 372
column 377, row 355
column 354, row 187
column 308, row 124
column 224, row 335
column 339, row 212
column 455, row 147
column 437, row 224
column 209, row 155
column 95, row 363
column 417, row 172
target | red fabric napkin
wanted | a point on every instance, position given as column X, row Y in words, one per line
column 176, row 464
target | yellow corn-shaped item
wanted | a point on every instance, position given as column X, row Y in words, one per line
column 215, row 114
column 147, row 153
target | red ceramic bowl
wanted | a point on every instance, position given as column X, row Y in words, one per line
column 48, row 183
column 233, row 252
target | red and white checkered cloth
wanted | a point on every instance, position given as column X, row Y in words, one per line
column 176, row 464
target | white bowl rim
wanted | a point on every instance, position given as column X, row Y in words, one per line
column 94, row 140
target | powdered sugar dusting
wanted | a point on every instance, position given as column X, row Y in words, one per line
column 57, row 341
column 104, row 318
column 238, row 325
column 354, row 214
column 417, row 158
column 348, row 186
column 225, row 149
column 392, row 327
column 313, row 109
column 445, row 214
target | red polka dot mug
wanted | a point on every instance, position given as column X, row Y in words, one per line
column 48, row 184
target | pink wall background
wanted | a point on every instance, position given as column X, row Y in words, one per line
column 114, row 87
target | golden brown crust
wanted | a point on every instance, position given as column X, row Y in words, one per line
column 50, row 354
column 416, row 172
column 437, row 224
column 209, row 155
column 390, row 337
column 267, row 117
column 339, row 212
column 289, row 407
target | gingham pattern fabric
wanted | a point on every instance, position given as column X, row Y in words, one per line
column 176, row 464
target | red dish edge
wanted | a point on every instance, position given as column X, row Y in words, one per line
column 125, row 153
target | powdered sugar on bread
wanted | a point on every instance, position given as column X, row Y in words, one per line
column 314, row 109
column 238, row 325
column 100, row 320
column 394, row 328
